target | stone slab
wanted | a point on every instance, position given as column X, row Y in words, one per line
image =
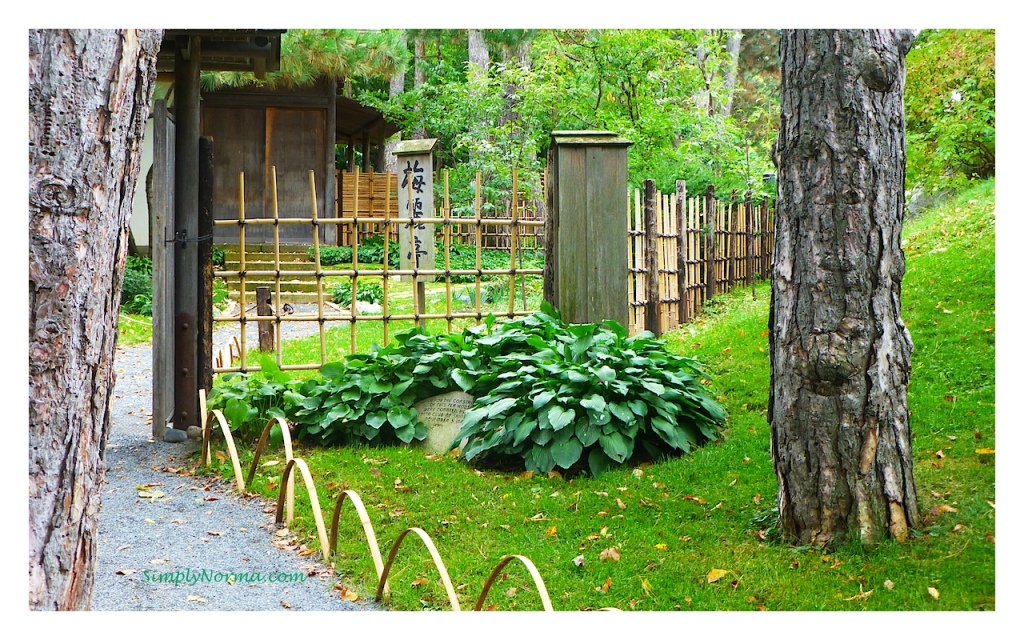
column 443, row 416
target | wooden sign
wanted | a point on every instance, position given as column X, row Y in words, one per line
column 416, row 200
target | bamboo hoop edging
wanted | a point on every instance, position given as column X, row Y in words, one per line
column 371, row 536
column 286, row 436
column 314, row 501
column 434, row 555
column 537, row 580
column 206, row 454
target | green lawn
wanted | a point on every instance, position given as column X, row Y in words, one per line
column 674, row 522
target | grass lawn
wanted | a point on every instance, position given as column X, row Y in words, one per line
column 677, row 524
column 134, row 329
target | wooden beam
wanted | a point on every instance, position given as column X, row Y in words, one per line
column 186, row 217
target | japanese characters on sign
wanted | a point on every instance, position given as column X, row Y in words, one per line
column 416, row 201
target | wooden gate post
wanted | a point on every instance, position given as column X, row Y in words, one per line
column 265, row 327
column 587, row 233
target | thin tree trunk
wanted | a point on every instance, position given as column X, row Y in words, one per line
column 839, row 352
column 732, row 48
column 89, row 94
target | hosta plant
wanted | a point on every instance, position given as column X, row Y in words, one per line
column 556, row 395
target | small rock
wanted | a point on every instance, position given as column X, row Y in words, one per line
column 194, row 433
column 175, row 435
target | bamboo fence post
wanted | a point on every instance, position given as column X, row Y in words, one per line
column 749, row 221
column 514, row 238
column 476, row 207
column 355, row 265
column 265, row 327
column 447, row 252
column 681, row 250
column 319, row 272
column 241, row 268
column 765, row 241
column 277, row 262
column 709, row 242
column 387, row 254
column 651, row 257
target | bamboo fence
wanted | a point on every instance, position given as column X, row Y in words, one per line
column 391, row 222
column 696, row 247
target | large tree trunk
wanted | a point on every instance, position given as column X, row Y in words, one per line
column 419, row 77
column 840, row 353
column 89, row 94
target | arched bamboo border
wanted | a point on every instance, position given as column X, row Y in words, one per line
column 286, row 436
column 364, row 519
column 314, row 501
column 207, row 442
column 537, row 580
column 435, row 556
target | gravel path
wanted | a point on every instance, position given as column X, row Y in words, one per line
column 193, row 524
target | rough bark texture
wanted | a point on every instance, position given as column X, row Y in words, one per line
column 396, row 88
column 840, row 353
column 89, row 94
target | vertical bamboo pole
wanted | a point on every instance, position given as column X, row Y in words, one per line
column 514, row 239
column 277, row 264
column 241, row 267
column 355, row 265
column 639, row 258
column 476, row 207
column 447, row 252
column 319, row 271
column 631, row 279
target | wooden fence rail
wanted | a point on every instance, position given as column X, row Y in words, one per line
column 685, row 249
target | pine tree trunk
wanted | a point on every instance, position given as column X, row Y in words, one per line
column 419, row 77
column 396, row 88
column 840, row 353
column 89, row 94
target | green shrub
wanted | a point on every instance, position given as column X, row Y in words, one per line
column 341, row 293
column 548, row 394
column 331, row 255
column 218, row 256
column 137, row 288
column 553, row 394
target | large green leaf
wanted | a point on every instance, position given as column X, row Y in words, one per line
column 560, row 417
column 566, row 454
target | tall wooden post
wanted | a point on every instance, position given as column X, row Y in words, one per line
column 186, row 219
column 681, row 251
column 587, row 231
column 652, row 319
column 710, row 213
column 204, row 303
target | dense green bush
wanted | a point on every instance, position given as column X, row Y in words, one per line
column 218, row 256
column 331, row 255
column 137, row 288
column 951, row 108
column 548, row 394
column 372, row 292
column 371, row 250
column 553, row 394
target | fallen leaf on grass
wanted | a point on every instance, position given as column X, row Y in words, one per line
column 537, row 517
column 696, row 499
column 661, row 546
column 646, row 586
column 511, row 593
column 612, row 553
column 863, row 595
column 578, row 560
column 419, row 582
column 552, row 531
column 933, row 592
column 888, row 584
column 716, row 574
column 622, row 505
column 604, row 588
column 346, row 594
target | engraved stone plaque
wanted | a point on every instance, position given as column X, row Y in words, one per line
column 443, row 416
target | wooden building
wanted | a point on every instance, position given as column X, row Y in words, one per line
column 294, row 130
